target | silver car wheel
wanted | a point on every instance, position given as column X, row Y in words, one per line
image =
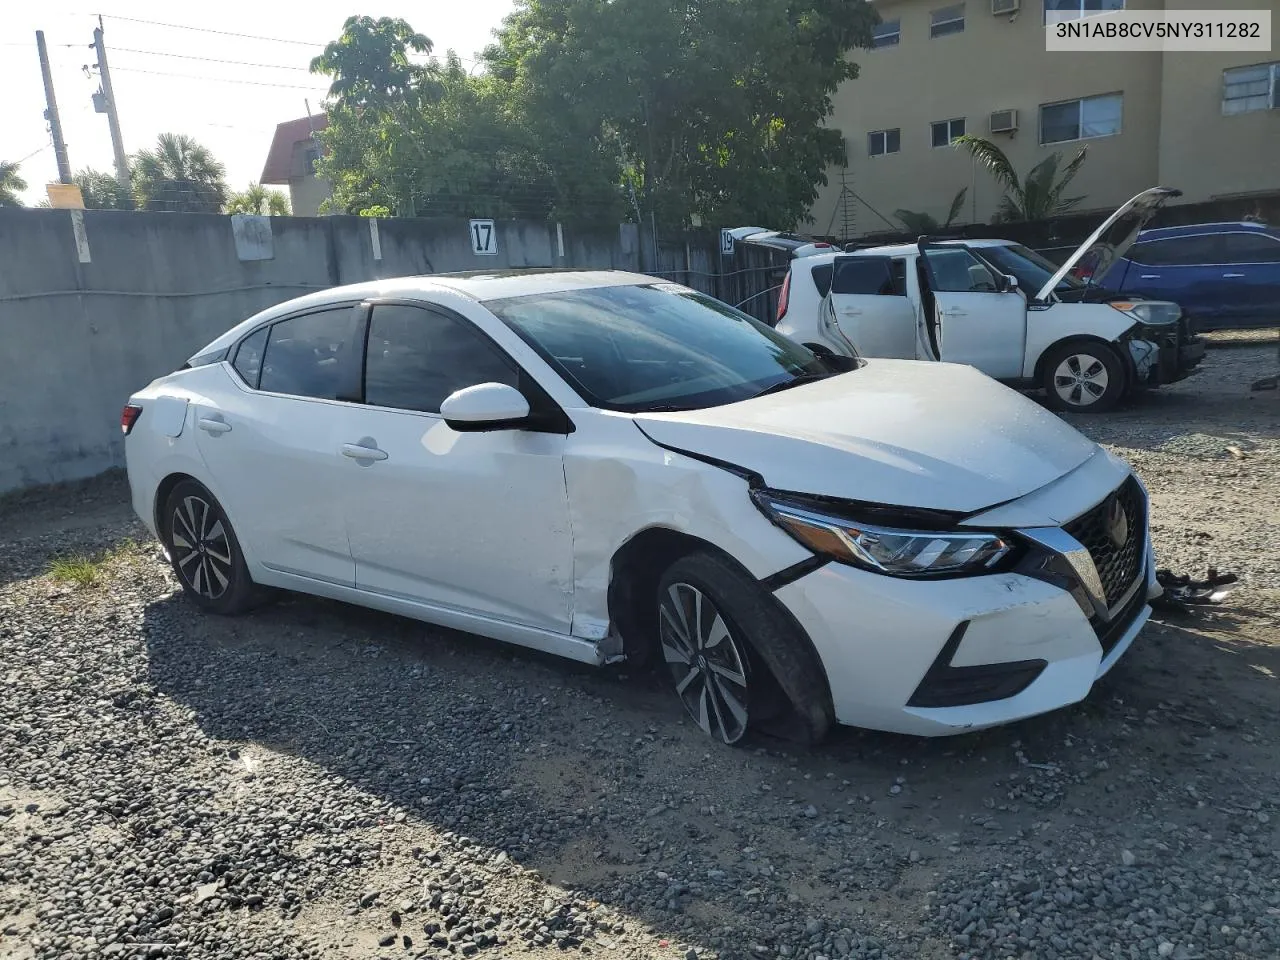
column 201, row 548
column 1081, row 379
column 705, row 661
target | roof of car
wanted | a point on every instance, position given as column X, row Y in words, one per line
column 903, row 249
column 1192, row 229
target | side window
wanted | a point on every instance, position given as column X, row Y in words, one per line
column 417, row 357
column 959, row 271
column 864, row 275
column 898, row 267
column 822, row 278
column 303, row 353
column 1178, row 251
column 248, row 361
column 1250, row 248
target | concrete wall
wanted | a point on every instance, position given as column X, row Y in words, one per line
column 1173, row 132
column 82, row 325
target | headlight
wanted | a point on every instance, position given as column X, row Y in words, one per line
column 1156, row 313
column 888, row 550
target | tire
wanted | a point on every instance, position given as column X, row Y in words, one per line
column 211, row 569
column 735, row 658
column 1083, row 376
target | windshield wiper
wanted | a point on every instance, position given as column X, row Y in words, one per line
column 793, row 382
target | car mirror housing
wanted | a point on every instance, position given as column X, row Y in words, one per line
column 1008, row 283
column 485, row 406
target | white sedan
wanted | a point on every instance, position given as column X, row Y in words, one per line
column 606, row 466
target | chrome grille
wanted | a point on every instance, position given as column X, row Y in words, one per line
column 1118, row 564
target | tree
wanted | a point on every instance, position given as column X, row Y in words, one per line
column 921, row 224
column 1040, row 195
column 179, row 174
column 11, row 184
column 260, row 200
column 101, row 191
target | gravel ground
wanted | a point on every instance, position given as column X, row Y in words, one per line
column 319, row 781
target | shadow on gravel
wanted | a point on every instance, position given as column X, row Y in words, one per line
column 596, row 781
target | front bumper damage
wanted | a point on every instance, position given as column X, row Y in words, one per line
column 1164, row 354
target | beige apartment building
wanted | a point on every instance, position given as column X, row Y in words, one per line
column 1205, row 123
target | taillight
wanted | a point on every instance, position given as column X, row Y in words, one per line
column 783, row 296
column 128, row 417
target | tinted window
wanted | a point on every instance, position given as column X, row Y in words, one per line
column 655, row 347
column 248, row 361
column 417, row 357
column 865, row 275
column 1031, row 269
column 1251, row 248
column 1178, row 250
column 303, row 354
column 959, row 271
column 822, row 278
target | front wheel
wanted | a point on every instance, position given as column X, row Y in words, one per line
column 1083, row 377
column 736, row 661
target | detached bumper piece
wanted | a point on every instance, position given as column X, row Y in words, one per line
column 1181, row 592
column 949, row 686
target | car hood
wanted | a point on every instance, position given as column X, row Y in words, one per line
column 1114, row 237
column 896, row 432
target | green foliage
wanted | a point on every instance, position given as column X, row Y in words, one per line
column 923, row 223
column 596, row 110
column 260, row 200
column 11, row 184
column 1040, row 195
column 179, row 175
column 101, row 191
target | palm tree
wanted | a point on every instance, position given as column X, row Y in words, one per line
column 101, row 191
column 10, row 185
column 1040, row 195
column 921, row 224
column 179, row 175
column 258, row 199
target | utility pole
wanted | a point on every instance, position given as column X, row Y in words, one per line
column 51, row 112
column 113, row 119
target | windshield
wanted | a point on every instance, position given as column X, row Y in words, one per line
column 655, row 346
column 1032, row 270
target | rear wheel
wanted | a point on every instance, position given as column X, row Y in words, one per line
column 1084, row 376
column 205, row 553
column 735, row 660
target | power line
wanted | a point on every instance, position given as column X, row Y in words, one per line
column 252, row 83
column 34, row 152
column 188, row 56
column 224, row 33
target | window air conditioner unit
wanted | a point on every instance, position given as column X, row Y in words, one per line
column 1004, row 121
column 1004, row 6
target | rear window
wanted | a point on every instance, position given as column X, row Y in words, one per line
column 822, row 278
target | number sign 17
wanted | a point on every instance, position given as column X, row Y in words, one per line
column 483, row 238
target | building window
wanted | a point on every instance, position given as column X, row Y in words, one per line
column 945, row 131
column 1081, row 119
column 880, row 142
column 1245, row 89
column 946, row 21
column 886, row 34
column 1055, row 11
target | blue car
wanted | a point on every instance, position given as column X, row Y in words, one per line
column 1223, row 275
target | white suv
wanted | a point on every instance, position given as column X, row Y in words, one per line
column 997, row 306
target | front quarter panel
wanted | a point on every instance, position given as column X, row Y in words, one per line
column 621, row 483
column 1065, row 321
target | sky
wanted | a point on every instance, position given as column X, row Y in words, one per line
column 175, row 80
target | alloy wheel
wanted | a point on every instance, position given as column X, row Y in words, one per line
column 705, row 661
column 1081, row 379
column 201, row 547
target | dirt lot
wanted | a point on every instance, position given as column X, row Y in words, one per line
column 315, row 780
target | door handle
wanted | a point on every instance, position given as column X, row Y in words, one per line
column 1151, row 276
column 213, row 427
column 1232, row 276
column 955, row 313
column 357, row 451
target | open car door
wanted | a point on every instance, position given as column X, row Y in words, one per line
column 975, row 316
column 867, row 307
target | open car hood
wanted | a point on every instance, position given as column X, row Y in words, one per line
column 1114, row 237
column 893, row 432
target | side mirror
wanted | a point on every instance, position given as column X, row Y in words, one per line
column 1008, row 283
column 485, row 406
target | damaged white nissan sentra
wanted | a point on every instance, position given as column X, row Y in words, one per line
column 607, row 466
